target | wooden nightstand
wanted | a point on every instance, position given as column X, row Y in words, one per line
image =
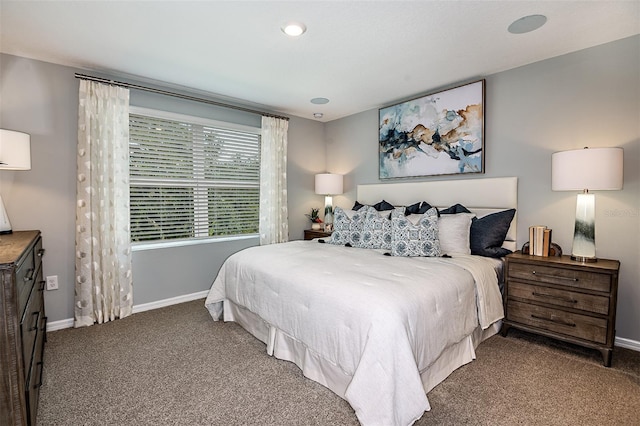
column 563, row 299
column 310, row 234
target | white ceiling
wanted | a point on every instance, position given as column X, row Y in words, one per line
column 359, row 54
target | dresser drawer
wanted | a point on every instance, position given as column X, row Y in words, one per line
column 34, row 377
column 583, row 279
column 29, row 325
column 575, row 325
column 564, row 298
column 25, row 274
column 38, row 254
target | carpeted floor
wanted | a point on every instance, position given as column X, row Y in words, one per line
column 175, row 366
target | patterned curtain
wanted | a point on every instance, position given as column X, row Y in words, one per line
column 274, row 224
column 103, row 287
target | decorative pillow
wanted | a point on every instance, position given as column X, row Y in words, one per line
column 417, row 208
column 488, row 233
column 377, row 231
column 381, row 206
column 415, row 240
column 357, row 206
column 454, row 232
column 455, row 209
column 348, row 230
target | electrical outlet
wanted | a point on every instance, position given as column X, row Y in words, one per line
column 52, row 282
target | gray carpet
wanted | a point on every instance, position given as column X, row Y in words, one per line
column 175, row 366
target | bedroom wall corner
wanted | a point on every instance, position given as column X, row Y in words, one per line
column 306, row 156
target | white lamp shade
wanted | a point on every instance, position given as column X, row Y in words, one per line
column 589, row 168
column 15, row 150
column 329, row 184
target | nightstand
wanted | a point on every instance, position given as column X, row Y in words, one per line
column 560, row 298
column 310, row 234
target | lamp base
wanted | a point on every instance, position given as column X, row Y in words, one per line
column 5, row 224
column 328, row 211
column 584, row 233
column 584, row 259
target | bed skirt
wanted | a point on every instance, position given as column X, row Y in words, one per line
column 330, row 375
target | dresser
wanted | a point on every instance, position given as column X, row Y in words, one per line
column 563, row 299
column 22, row 326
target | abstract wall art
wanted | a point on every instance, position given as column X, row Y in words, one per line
column 437, row 134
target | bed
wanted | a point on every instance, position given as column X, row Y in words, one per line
column 380, row 331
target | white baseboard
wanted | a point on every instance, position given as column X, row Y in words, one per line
column 68, row 323
column 59, row 325
column 627, row 343
column 168, row 302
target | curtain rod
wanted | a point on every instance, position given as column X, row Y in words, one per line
column 175, row 95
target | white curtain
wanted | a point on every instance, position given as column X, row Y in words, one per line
column 103, row 287
column 274, row 223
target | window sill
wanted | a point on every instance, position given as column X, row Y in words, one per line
column 190, row 242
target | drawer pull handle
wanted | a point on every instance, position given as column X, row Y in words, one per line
column 553, row 276
column 41, row 252
column 554, row 320
column 40, row 364
column 35, row 323
column 551, row 296
column 29, row 275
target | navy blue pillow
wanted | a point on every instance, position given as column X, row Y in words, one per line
column 417, row 208
column 455, row 209
column 381, row 206
column 488, row 233
column 357, row 206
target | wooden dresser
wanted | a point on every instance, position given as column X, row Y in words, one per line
column 563, row 299
column 22, row 326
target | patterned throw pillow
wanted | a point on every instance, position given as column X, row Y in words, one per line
column 348, row 230
column 412, row 240
column 377, row 230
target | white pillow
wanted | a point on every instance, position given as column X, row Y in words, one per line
column 454, row 232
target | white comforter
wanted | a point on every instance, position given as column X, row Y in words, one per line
column 383, row 320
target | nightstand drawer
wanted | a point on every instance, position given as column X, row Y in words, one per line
column 563, row 298
column 562, row 276
column 310, row 234
column 558, row 321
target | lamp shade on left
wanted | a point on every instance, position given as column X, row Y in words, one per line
column 15, row 150
column 329, row 184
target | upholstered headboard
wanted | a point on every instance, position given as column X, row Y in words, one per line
column 481, row 196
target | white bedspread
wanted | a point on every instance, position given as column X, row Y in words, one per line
column 383, row 320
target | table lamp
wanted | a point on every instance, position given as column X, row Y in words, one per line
column 15, row 154
column 588, row 169
column 328, row 184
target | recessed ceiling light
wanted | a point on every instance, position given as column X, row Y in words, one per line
column 294, row 29
column 527, row 24
column 318, row 114
column 319, row 101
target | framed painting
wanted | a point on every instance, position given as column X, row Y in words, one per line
column 437, row 134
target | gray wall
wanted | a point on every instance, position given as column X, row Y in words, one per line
column 40, row 98
column 587, row 98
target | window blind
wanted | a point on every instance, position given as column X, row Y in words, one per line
column 191, row 180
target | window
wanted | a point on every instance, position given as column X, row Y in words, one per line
column 191, row 178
